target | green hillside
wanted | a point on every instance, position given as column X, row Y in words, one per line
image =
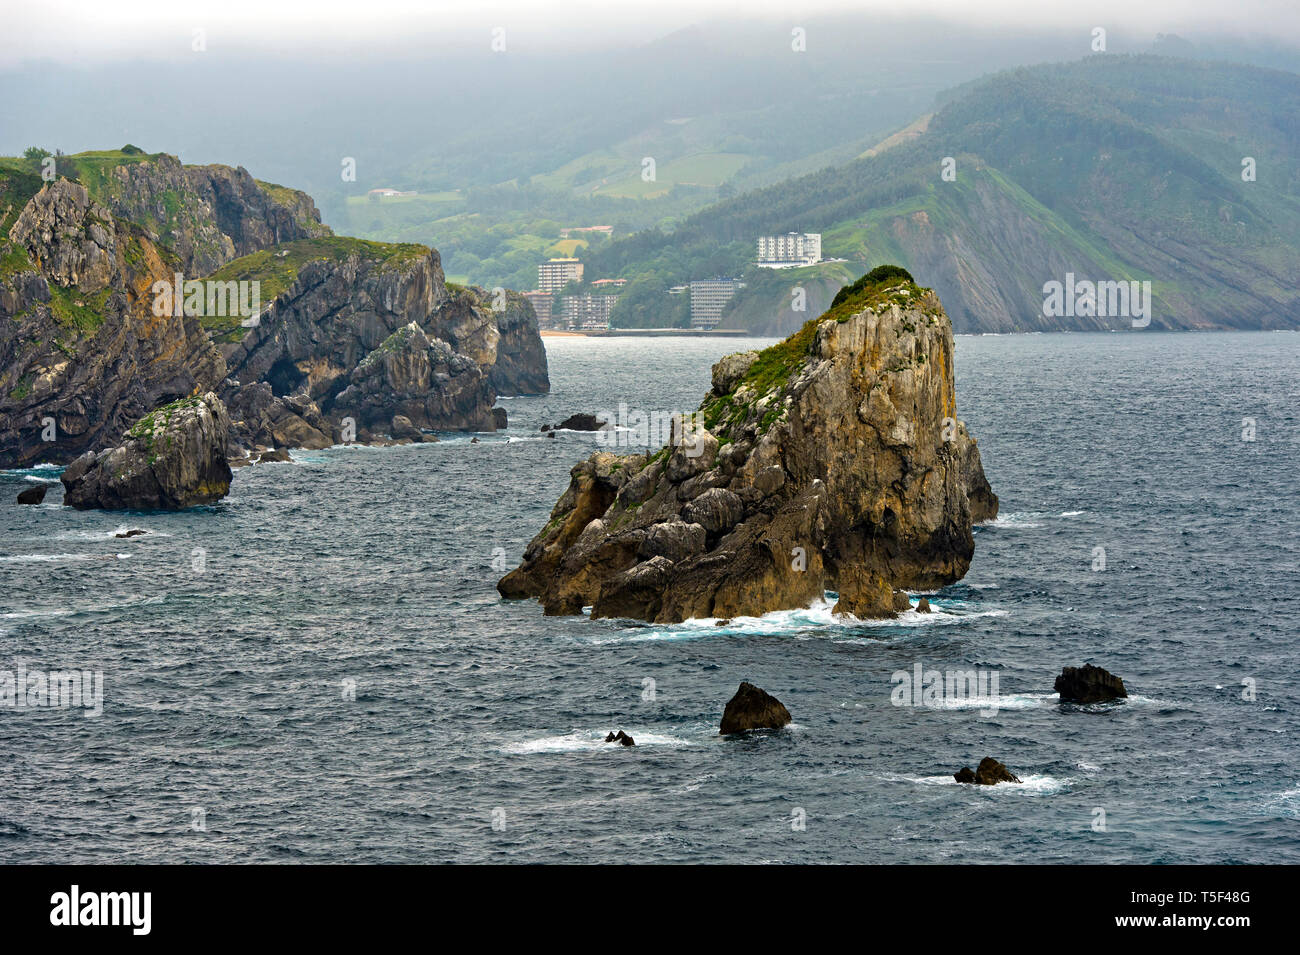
column 1110, row 168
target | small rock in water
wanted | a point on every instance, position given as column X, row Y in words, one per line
column 32, row 495
column 923, row 606
column 133, row 532
column 1088, row 684
column 473, row 440
column 580, row 422
column 545, row 427
column 723, row 622
column 274, row 456
column 752, row 708
column 989, row 773
column 621, row 737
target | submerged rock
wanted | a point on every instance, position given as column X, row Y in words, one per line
column 831, row 461
column 621, row 737
column 989, row 773
column 133, row 532
column 752, row 708
column 173, row 458
column 923, row 606
column 1089, row 684
column 32, row 495
column 580, row 422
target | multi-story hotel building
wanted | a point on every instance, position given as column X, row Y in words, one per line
column 554, row 274
column 789, row 250
column 709, row 298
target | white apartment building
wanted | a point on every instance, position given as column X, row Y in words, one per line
column 789, row 250
column 709, row 298
column 554, row 274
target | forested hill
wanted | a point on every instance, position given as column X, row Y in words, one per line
column 1178, row 172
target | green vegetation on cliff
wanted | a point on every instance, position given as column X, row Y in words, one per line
column 277, row 268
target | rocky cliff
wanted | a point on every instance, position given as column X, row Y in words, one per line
column 83, row 353
column 208, row 215
column 173, row 458
column 831, row 461
column 368, row 331
column 82, row 356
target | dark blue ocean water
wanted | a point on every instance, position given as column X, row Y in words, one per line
column 228, row 638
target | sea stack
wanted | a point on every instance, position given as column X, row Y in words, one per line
column 753, row 709
column 173, row 458
column 831, row 461
column 1089, row 684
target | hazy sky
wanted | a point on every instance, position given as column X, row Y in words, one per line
column 89, row 32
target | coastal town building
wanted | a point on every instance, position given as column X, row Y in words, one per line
column 554, row 274
column 587, row 311
column 709, row 298
column 790, row 250
column 542, row 302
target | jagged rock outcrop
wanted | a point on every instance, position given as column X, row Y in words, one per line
column 32, row 495
column 520, row 367
column 621, row 738
column 173, row 458
column 259, row 417
column 354, row 335
column 208, row 215
column 421, row 379
column 989, row 773
column 499, row 331
column 832, row 461
column 82, row 355
column 1089, row 684
column 752, row 708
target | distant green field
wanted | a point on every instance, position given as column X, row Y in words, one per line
column 702, row 169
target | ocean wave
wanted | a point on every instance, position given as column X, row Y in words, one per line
column 819, row 616
column 1031, row 784
column 580, row 741
column 1017, row 521
column 47, row 558
column 1003, row 701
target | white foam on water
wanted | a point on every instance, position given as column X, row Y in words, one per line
column 1003, row 701
column 1285, row 803
column 1033, row 784
column 1017, row 521
column 581, row 741
column 818, row 616
column 1072, row 513
column 50, row 558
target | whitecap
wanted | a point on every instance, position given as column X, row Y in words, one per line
column 580, row 741
column 1013, row 521
column 818, row 616
column 1031, row 784
column 1072, row 513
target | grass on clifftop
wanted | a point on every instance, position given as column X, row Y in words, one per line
column 779, row 363
column 277, row 268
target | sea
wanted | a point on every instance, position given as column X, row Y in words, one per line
column 318, row 669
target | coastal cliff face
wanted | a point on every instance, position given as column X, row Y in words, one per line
column 831, row 461
column 369, row 331
column 82, row 356
column 208, row 215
